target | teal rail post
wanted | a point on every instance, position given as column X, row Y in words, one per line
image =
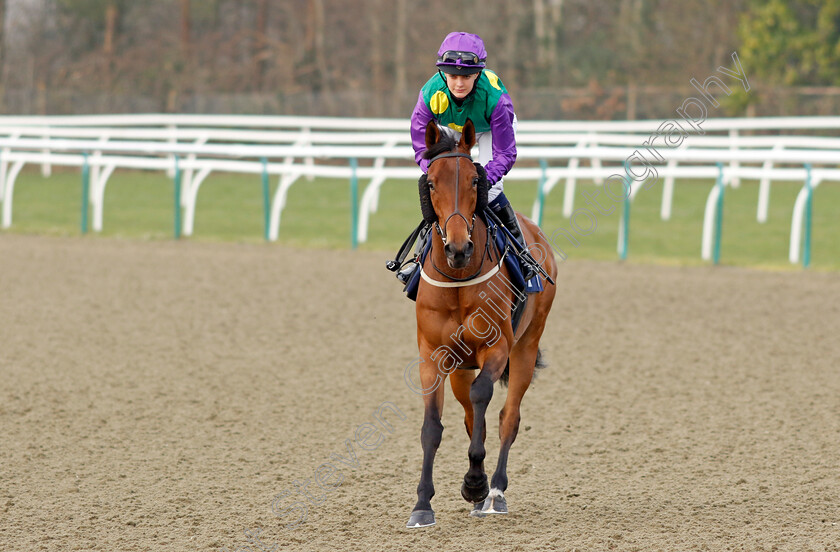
column 354, row 200
column 541, row 191
column 85, row 192
column 809, row 206
column 625, row 219
column 177, row 200
column 719, row 214
column 266, row 200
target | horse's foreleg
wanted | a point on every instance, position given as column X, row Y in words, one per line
column 430, row 436
column 461, row 381
column 475, row 487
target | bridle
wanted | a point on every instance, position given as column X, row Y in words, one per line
column 470, row 226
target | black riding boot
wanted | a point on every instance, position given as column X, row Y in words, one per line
column 508, row 218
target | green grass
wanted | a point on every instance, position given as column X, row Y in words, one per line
column 317, row 214
column 745, row 242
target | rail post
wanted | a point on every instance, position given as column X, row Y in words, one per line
column 624, row 230
column 177, row 199
column 266, row 198
column 354, row 197
column 85, row 192
column 809, row 206
column 718, row 214
column 541, row 191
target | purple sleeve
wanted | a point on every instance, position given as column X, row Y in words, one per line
column 419, row 119
column 504, row 140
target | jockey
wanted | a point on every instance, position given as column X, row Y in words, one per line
column 464, row 88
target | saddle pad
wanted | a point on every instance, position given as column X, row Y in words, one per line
column 515, row 272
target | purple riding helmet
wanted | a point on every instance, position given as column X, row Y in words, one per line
column 461, row 54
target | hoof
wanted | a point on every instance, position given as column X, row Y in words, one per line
column 494, row 504
column 421, row 518
column 475, row 493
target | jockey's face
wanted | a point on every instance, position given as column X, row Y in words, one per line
column 460, row 85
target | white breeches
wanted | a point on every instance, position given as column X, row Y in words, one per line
column 485, row 154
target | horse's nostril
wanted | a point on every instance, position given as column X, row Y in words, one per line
column 460, row 253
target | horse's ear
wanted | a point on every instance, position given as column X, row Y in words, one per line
column 468, row 135
column 432, row 134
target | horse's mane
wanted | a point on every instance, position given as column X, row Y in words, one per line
column 446, row 143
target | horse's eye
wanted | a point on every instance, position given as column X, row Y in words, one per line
column 431, row 185
column 475, row 182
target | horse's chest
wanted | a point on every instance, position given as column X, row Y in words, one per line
column 459, row 334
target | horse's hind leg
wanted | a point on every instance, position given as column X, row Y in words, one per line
column 522, row 363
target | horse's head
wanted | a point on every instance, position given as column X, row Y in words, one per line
column 455, row 191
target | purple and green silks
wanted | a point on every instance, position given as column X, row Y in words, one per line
column 488, row 106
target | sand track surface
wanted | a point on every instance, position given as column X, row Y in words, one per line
column 163, row 395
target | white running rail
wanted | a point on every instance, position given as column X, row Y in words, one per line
column 298, row 146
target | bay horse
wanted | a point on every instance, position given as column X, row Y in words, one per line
column 461, row 327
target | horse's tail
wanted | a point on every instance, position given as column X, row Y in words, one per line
column 538, row 365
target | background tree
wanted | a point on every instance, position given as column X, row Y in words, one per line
column 558, row 58
column 792, row 42
column 2, row 52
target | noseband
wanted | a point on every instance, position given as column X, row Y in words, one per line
column 470, row 225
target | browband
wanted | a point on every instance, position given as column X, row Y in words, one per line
column 450, row 154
